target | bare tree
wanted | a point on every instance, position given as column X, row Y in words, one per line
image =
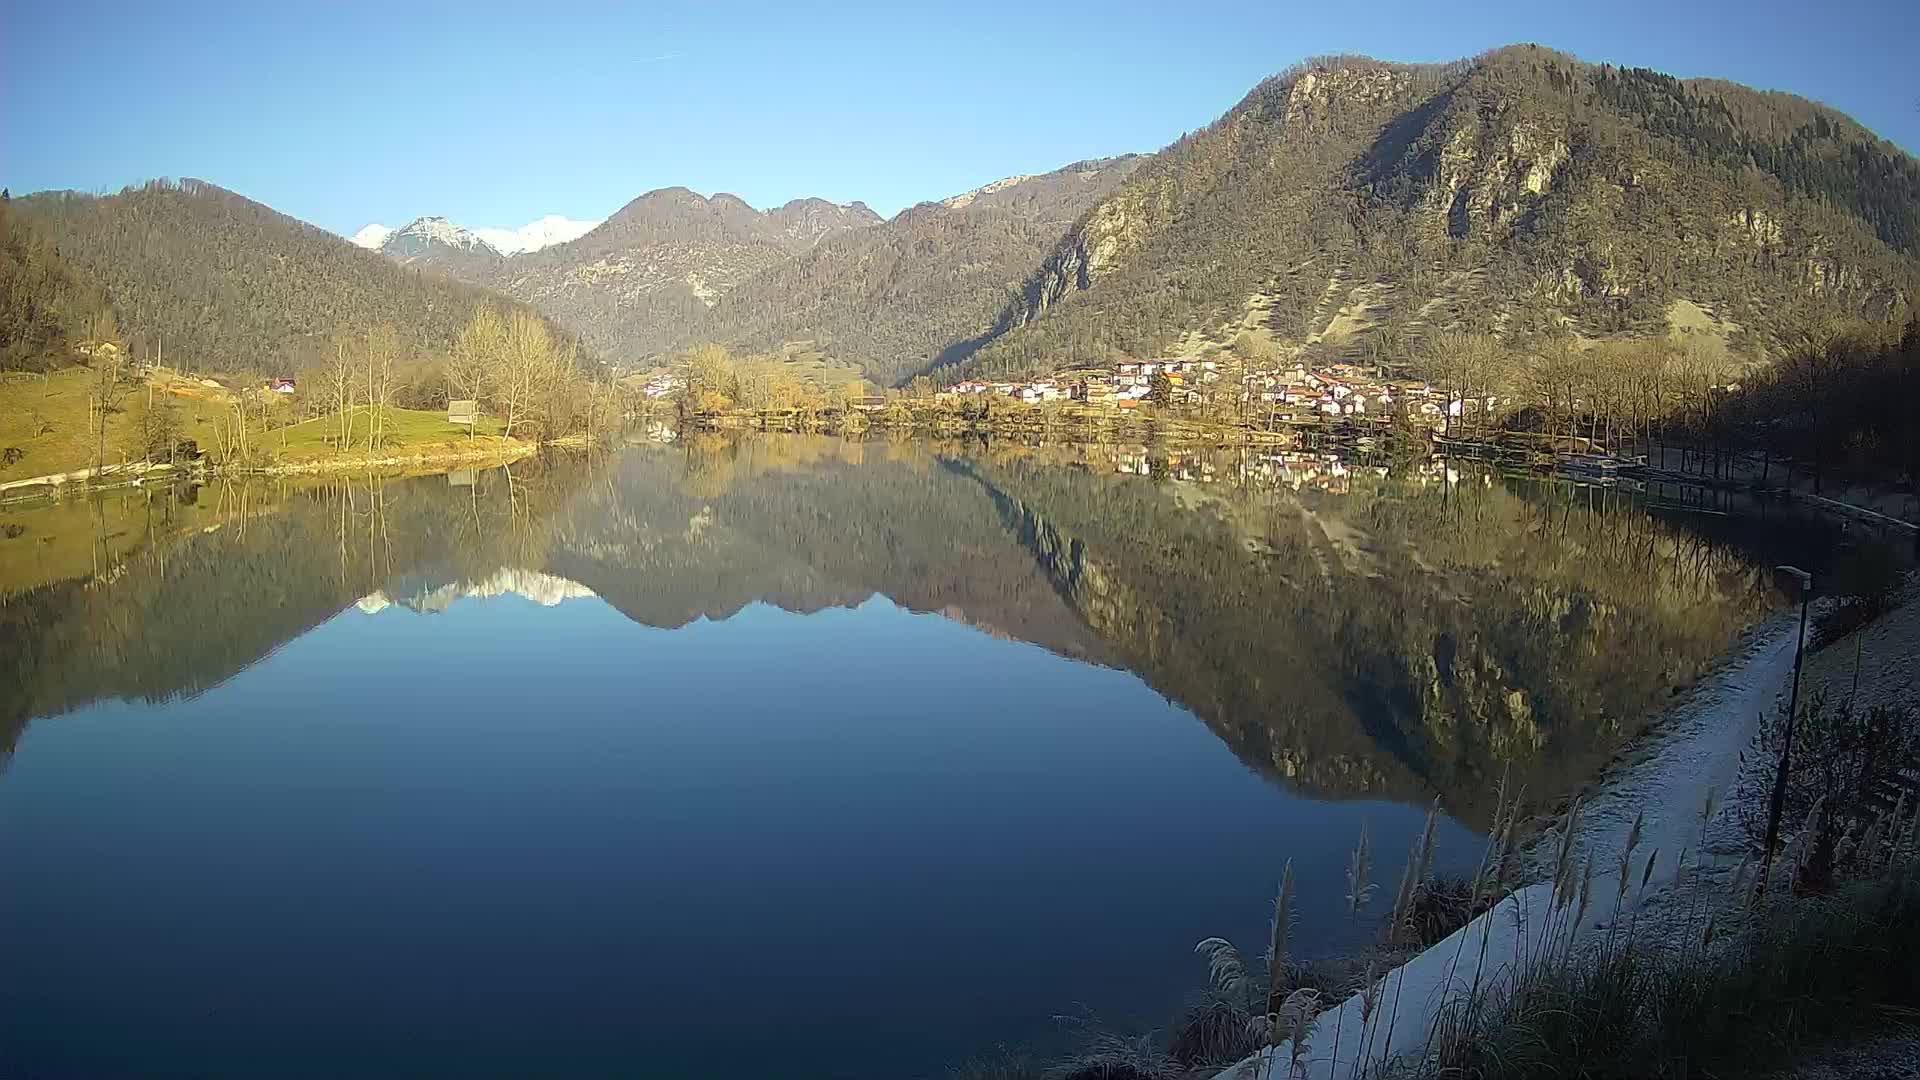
column 337, row 384
column 382, row 350
column 476, row 354
column 103, row 395
column 160, row 427
column 525, row 360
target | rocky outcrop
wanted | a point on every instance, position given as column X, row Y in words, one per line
column 1489, row 174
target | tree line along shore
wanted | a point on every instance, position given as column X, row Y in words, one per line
column 1831, row 409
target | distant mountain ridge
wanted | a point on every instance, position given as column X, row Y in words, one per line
column 627, row 284
column 542, row 233
column 889, row 295
column 1345, row 208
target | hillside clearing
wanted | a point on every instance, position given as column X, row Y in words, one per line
column 47, row 419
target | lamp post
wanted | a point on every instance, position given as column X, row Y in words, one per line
column 1793, row 709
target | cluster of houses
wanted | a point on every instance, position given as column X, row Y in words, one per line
column 1339, row 389
column 1336, row 390
column 1125, row 385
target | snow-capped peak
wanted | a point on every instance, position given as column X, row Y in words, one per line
column 547, row 590
column 546, row 232
column 423, row 232
column 371, row 236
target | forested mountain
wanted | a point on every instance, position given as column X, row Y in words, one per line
column 634, row 283
column 1350, row 201
column 226, row 284
column 45, row 307
column 896, row 297
column 1347, row 207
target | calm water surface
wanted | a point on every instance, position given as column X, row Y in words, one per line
column 774, row 758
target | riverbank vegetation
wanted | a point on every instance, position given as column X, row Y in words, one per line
column 1839, row 408
column 1831, row 407
column 367, row 399
column 1752, row 981
column 1737, row 973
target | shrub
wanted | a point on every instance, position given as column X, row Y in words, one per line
column 1214, row 1034
column 1841, row 754
column 1441, row 905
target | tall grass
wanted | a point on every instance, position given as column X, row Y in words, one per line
column 1752, row 975
column 1278, row 1009
column 1792, row 970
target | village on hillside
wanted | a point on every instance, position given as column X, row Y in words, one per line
column 1339, row 389
column 1274, row 392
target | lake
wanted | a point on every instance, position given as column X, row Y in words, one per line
column 779, row 757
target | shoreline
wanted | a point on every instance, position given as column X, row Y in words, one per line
column 1693, row 752
column 53, row 485
column 499, row 453
column 1694, row 746
column 1636, row 767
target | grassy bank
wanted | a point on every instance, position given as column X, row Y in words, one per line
column 1749, row 985
column 411, row 430
column 47, row 422
column 49, row 426
column 408, row 438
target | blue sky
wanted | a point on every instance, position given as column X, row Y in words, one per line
column 494, row 113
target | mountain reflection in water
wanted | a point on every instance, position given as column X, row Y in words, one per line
column 982, row 749
column 1347, row 632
